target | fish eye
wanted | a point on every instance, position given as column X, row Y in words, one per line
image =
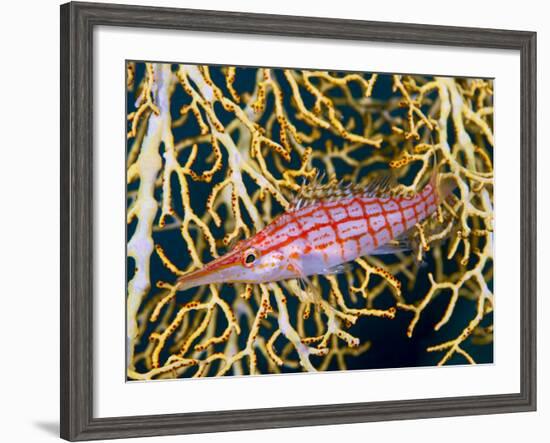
column 250, row 257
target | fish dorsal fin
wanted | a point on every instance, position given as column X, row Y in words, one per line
column 380, row 185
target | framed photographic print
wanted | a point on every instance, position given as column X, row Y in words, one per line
column 272, row 221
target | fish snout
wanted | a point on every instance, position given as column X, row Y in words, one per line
column 221, row 270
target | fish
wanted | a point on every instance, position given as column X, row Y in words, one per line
column 325, row 228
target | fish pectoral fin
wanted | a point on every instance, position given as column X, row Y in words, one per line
column 309, row 288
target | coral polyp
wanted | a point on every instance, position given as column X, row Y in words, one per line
column 216, row 153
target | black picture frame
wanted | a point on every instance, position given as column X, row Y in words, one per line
column 77, row 24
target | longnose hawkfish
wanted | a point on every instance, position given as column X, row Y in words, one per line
column 324, row 228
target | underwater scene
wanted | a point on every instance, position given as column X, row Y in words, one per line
column 289, row 220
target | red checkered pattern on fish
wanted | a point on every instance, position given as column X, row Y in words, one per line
column 348, row 228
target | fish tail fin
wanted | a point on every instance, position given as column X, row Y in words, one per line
column 445, row 187
column 435, row 171
column 442, row 184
